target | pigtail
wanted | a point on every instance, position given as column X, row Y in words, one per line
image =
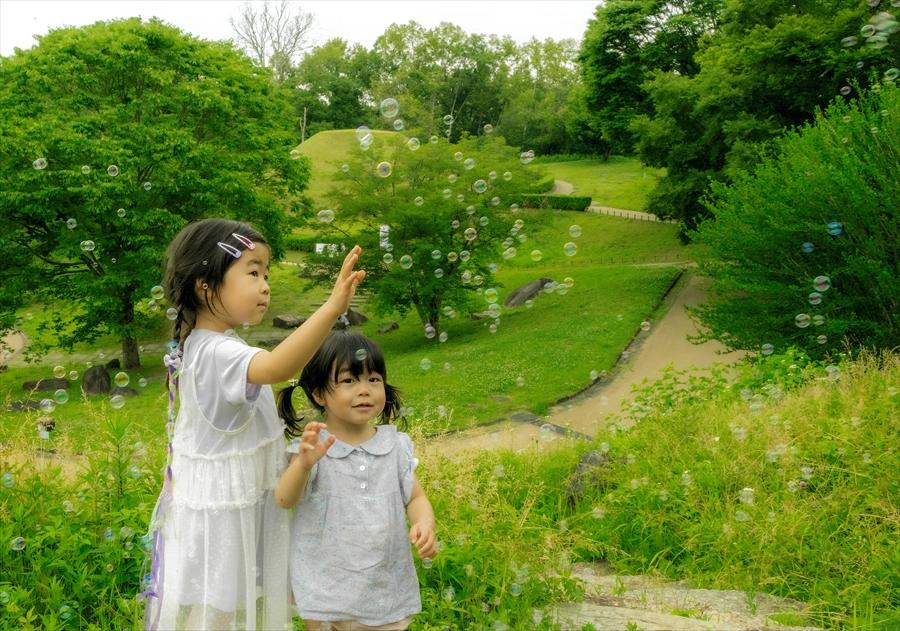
column 292, row 423
column 392, row 407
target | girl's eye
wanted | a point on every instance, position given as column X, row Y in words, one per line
column 375, row 379
column 254, row 273
column 347, row 380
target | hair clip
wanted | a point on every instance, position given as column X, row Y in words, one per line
column 247, row 242
column 233, row 251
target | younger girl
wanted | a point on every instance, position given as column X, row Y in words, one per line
column 220, row 540
column 350, row 562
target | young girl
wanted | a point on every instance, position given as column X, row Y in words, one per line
column 351, row 565
column 220, row 540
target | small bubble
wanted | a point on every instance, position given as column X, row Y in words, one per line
column 147, row 186
column 17, row 544
column 117, row 401
column 72, row 223
column 87, row 246
column 326, row 216
column 575, row 231
column 413, row 144
column 121, row 379
column 85, row 169
column 389, row 107
column 570, row 249
column 40, row 164
column 112, row 170
column 384, row 169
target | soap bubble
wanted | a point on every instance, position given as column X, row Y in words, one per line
column 362, row 132
column 469, row 164
column 495, row 201
column 85, row 169
column 802, row 320
column 418, row 201
column 112, row 170
column 157, row 292
column 142, row 382
column 849, row 42
column 389, row 107
column 526, row 156
column 645, row 326
column 480, row 186
column 121, row 379
column 507, row 176
column 17, row 544
column 121, row 212
column 87, row 246
column 8, row 479
column 433, row 140
column 388, row 258
column 536, row 255
column 413, row 144
column 818, row 320
column 384, row 169
column 73, row 375
column 452, row 178
column 425, row 363
column 491, row 295
column 406, row 261
column 822, row 283
column 117, row 401
column 570, row 249
column 767, row 349
column 448, row 119
column 891, row 74
column 483, row 220
column 361, row 354
column 47, row 405
column 40, row 164
column 147, row 185
column 439, row 273
column 821, row 339
column 71, row 222
column 835, row 228
column 488, row 128
column 470, row 233
column 807, row 247
column 509, row 253
column 345, row 168
column 845, row 90
column 458, row 156
column 447, row 193
column 815, row 298
column 575, row 231
column 61, row 396
column 399, row 124
column 59, row 372
column 326, row 216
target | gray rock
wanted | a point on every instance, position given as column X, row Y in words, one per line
column 114, row 364
column 526, row 292
column 287, row 321
column 96, row 380
column 587, row 474
column 387, row 328
column 125, row 391
column 42, row 385
column 22, row 406
column 355, row 318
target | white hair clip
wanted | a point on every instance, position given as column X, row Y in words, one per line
column 247, row 242
column 233, row 251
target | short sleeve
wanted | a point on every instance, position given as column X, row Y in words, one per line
column 406, row 466
column 231, row 360
column 293, row 448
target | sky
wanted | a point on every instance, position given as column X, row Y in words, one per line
column 357, row 21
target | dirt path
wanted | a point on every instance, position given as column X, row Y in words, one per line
column 585, row 414
column 11, row 345
column 561, row 187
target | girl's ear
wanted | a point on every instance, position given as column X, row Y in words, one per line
column 318, row 398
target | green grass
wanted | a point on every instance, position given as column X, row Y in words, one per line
column 510, row 535
column 619, row 183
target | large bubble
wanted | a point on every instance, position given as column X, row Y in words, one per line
column 384, row 169
column 389, row 107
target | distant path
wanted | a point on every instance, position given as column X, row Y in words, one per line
column 561, row 187
column 12, row 343
column 586, row 414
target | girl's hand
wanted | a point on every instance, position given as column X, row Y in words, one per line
column 311, row 448
column 422, row 536
column 347, row 281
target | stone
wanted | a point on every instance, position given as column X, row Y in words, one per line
column 528, row 291
column 587, row 474
column 124, row 391
column 287, row 321
column 96, row 380
column 42, row 385
column 387, row 328
column 355, row 318
column 23, row 406
column 114, row 364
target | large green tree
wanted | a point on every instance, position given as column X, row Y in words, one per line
column 804, row 250
column 448, row 211
column 114, row 136
column 626, row 42
column 766, row 69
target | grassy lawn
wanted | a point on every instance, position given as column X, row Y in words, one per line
column 553, row 346
column 619, row 183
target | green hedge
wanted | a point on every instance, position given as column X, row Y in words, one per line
column 301, row 243
column 543, row 185
column 559, row 202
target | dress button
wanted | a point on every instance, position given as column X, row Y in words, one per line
column 362, row 467
column 363, row 485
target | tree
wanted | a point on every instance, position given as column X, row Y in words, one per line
column 766, row 70
column 274, row 35
column 331, row 84
column 626, row 42
column 803, row 251
column 447, row 220
column 115, row 136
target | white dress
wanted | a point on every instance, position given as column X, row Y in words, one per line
column 223, row 558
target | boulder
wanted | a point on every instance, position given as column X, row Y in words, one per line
column 528, row 291
column 387, row 328
column 588, row 473
column 42, row 385
column 96, row 380
column 23, row 406
column 287, row 321
column 114, row 364
column 355, row 318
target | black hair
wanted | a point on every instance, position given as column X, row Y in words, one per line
column 339, row 351
column 194, row 254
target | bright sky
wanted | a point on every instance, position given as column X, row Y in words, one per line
column 357, row 21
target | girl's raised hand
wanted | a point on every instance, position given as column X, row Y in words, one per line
column 311, row 448
column 347, row 281
column 422, row 536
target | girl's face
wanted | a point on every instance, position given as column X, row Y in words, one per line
column 353, row 400
column 243, row 296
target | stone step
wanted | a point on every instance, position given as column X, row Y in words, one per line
column 615, row 601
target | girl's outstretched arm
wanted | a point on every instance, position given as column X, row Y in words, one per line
column 292, row 482
column 288, row 358
column 421, row 516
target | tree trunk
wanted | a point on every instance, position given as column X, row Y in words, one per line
column 131, row 358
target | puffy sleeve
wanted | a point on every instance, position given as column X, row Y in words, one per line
column 407, row 466
column 231, row 360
